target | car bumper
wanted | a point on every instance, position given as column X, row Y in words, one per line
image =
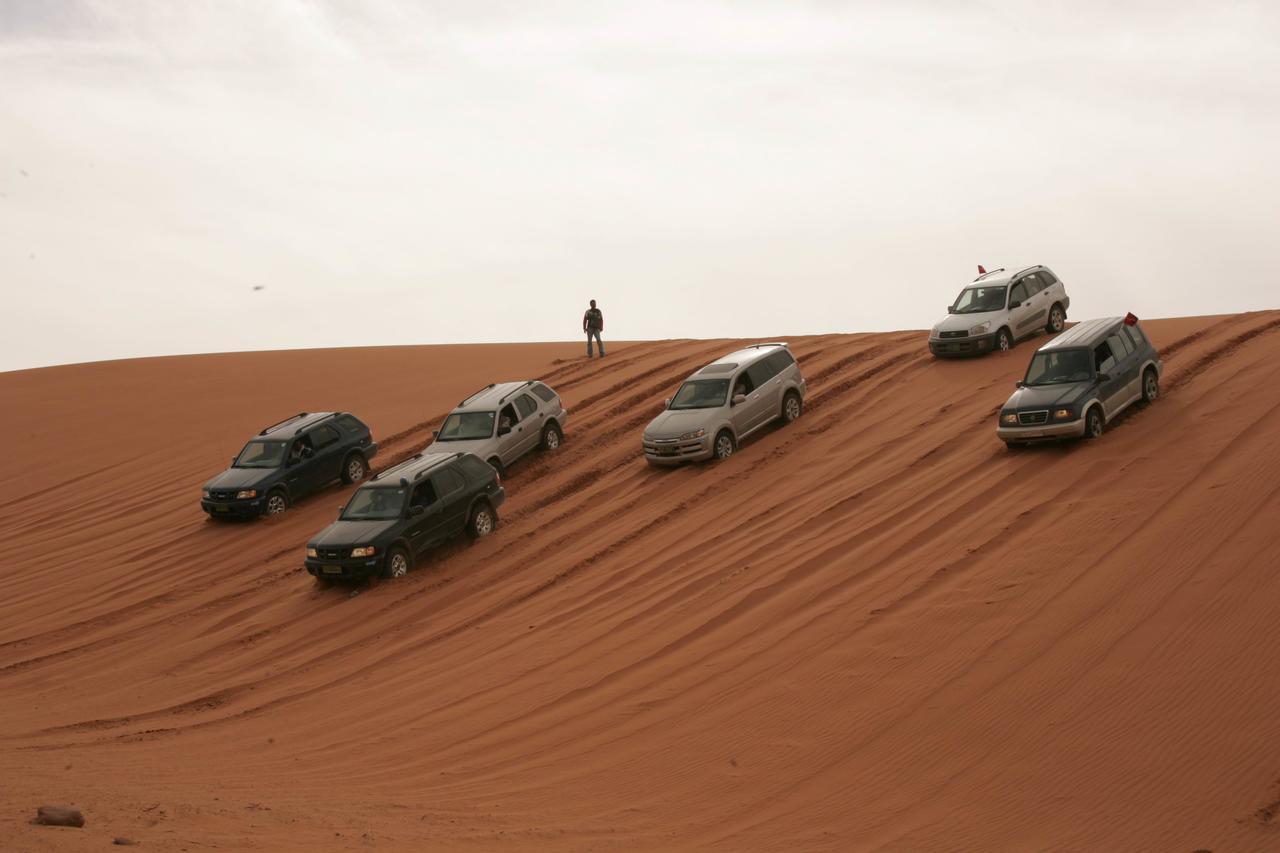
column 668, row 452
column 347, row 569
column 959, row 347
column 1042, row 432
column 233, row 508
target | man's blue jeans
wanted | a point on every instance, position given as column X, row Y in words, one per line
column 593, row 333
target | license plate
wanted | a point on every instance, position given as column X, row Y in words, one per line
column 666, row 451
column 331, row 570
column 222, row 507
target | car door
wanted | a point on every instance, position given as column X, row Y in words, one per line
column 326, row 465
column 451, row 487
column 768, row 393
column 1021, row 309
column 426, row 519
column 300, row 471
column 510, row 434
column 1127, row 366
column 740, row 412
column 1110, row 389
column 531, row 419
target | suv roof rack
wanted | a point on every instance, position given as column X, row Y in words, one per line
column 466, row 400
column 983, row 275
column 268, row 429
column 769, row 344
column 324, row 417
column 414, row 458
column 513, row 391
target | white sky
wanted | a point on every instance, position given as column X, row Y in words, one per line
column 399, row 172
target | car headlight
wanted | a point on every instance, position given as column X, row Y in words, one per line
column 1064, row 414
column 247, row 493
column 697, row 433
column 366, row 551
column 980, row 329
column 311, row 552
column 1009, row 418
column 206, row 492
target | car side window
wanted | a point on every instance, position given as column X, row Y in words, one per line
column 1048, row 278
column 781, row 360
column 544, row 392
column 447, row 482
column 526, row 405
column 1121, row 346
column 1017, row 294
column 300, row 449
column 508, row 417
column 476, row 468
column 1135, row 335
column 761, row 372
column 1033, row 283
column 423, row 494
column 323, row 436
column 743, row 384
column 1103, row 358
column 350, row 424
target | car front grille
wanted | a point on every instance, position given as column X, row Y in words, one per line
column 1033, row 418
column 331, row 553
column 221, row 495
column 960, row 334
column 672, row 447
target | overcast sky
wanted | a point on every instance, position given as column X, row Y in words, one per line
column 412, row 172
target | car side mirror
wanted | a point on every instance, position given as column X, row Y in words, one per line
column 1104, row 377
column 435, row 433
column 417, row 509
column 1014, row 304
column 951, row 309
column 666, row 404
column 233, row 459
column 738, row 399
column 1019, row 384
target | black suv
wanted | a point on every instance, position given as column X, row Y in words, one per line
column 405, row 511
column 287, row 461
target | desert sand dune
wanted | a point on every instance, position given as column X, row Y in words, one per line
column 875, row 629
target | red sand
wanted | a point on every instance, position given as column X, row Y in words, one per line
column 876, row 629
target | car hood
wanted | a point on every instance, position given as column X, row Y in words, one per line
column 344, row 534
column 1046, row 396
column 673, row 424
column 241, row 478
column 482, row 447
column 965, row 322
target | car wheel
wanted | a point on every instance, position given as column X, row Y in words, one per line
column 1093, row 423
column 354, row 469
column 1150, row 386
column 1057, row 320
column 483, row 520
column 1004, row 341
column 277, row 503
column 397, row 565
column 725, row 445
column 496, row 464
column 551, row 437
column 791, row 407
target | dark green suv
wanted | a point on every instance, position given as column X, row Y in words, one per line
column 405, row 511
column 289, row 460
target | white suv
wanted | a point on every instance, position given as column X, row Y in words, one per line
column 1000, row 308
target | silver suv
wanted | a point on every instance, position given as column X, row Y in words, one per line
column 704, row 419
column 504, row 421
column 998, row 309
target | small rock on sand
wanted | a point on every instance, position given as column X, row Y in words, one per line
column 125, row 842
column 59, row 816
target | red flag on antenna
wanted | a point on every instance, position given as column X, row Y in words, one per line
column 982, row 270
column 1131, row 319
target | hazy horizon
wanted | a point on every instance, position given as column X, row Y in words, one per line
column 400, row 173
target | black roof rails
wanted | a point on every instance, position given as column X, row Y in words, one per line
column 268, row 429
column 316, row 421
column 415, row 457
column 526, row 384
column 467, row 399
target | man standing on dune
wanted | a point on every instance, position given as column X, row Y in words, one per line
column 593, row 325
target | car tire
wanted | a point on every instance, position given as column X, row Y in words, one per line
column 724, row 446
column 496, row 464
column 397, row 564
column 792, row 407
column 1150, row 385
column 277, row 502
column 552, row 437
column 354, row 469
column 1004, row 340
column 483, row 521
column 1057, row 319
column 1093, row 423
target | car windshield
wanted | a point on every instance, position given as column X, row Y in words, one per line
column 466, row 426
column 261, row 454
column 975, row 300
column 701, row 394
column 374, row 504
column 1059, row 366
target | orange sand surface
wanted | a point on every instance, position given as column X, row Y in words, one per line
column 875, row 629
